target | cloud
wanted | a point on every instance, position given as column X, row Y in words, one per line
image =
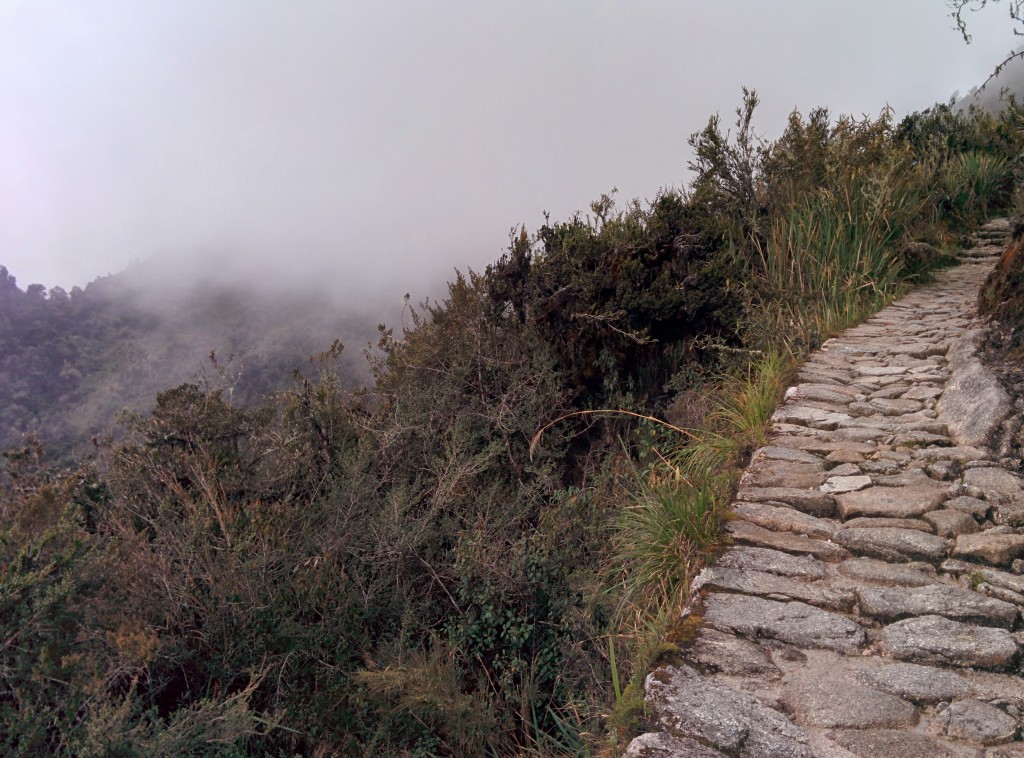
column 377, row 146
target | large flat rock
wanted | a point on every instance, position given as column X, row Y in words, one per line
column 996, row 549
column 775, row 587
column 785, row 519
column 894, row 603
column 917, row 683
column 897, row 545
column 890, row 743
column 750, row 534
column 892, row 502
column 773, row 562
column 938, row 640
column 810, row 501
column 973, row 404
column 835, row 702
column 795, row 623
column 693, row 706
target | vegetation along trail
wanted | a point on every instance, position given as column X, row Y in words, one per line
column 870, row 601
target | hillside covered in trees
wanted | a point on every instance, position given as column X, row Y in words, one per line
column 71, row 361
column 478, row 553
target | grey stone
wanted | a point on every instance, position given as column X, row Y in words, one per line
column 794, row 623
column 822, row 445
column 689, row 705
column 661, row 745
column 961, row 454
column 813, row 418
column 894, row 523
column 882, row 572
column 717, row 652
column 836, row 703
column 973, row 404
column 976, row 721
column 785, row 519
column 935, row 639
column 776, row 587
column 784, row 454
column 998, row 484
column 809, row 501
column 880, row 467
column 838, row 484
column 950, row 523
column 922, row 392
column 996, row 549
column 969, row 505
column 897, row 545
column 844, row 456
column 892, row 502
column 828, row 393
column 773, row 562
column 920, row 684
column 890, row 743
column 894, row 603
column 1009, row 514
column 769, row 473
column 751, row 534
column 896, row 406
column 845, row 469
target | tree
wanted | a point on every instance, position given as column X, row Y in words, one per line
column 1016, row 8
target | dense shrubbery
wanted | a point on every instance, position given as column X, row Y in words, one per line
column 398, row 571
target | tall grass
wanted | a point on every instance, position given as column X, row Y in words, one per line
column 971, row 182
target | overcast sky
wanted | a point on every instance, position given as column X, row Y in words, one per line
column 377, row 145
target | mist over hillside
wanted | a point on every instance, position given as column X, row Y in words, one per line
column 71, row 361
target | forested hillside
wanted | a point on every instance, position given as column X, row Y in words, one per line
column 71, row 361
column 479, row 553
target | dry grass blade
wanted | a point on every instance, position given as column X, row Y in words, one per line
column 540, row 432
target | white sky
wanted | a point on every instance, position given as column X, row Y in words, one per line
column 374, row 146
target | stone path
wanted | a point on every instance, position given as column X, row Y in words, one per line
column 871, row 602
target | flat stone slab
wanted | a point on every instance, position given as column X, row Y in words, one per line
column 951, row 523
column 864, row 522
column 718, row 652
column 891, row 574
column 896, row 545
column 995, row 549
column 784, row 454
column 938, row 640
column 975, row 721
column 973, row 404
column 751, row 534
column 894, row 603
column 890, row 743
column 772, row 562
column 794, row 623
column 813, row 502
column 840, row 484
column 785, row 519
column 769, row 473
column 998, row 484
column 813, row 418
column 840, row 703
column 775, row 587
column 689, row 705
column 661, row 745
column 917, row 683
column 892, row 502
column 822, row 445
column 969, row 505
